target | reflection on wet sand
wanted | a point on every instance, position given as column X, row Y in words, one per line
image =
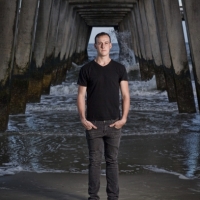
column 61, row 146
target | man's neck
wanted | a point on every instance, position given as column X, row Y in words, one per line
column 103, row 61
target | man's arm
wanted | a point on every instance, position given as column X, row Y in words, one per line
column 81, row 107
column 125, row 105
column 81, row 102
column 125, row 99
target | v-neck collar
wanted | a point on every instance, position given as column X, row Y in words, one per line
column 101, row 65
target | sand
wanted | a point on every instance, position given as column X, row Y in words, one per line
column 66, row 186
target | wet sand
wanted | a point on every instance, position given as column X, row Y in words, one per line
column 68, row 186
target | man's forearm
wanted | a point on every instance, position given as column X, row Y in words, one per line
column 125, row 107
column 81, row 107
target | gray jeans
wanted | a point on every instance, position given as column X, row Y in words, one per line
column 105, row 140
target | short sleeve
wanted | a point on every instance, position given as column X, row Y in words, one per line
column 82, row 78
column 123, row 74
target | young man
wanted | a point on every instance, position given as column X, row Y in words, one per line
column 101, row 79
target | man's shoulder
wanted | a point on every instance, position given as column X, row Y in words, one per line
column 116, row 63
column 88, row 65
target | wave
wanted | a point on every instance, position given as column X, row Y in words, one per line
column 141, row 88
column 160, row 170
column 14, row 170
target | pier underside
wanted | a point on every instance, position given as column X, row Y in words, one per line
column 39, row 40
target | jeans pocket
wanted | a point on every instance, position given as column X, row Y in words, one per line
column 114, row 132
column 93, row 133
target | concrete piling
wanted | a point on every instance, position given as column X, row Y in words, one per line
column 124, row 41
column 7, row 35
column 154, row 44
column 63, row 13
column 137, row 49
column 38, row 54
column 79, row 54
column 164, row 50
column 62, row 38
column 49, row 70
column 71, row 38
column 184, row 91
column 20, row 75
column 146, row 38
column 132, row 27
column 192, row 16
column 142, row 62
column 61, row 75
column 85, row 42
column 61, row 31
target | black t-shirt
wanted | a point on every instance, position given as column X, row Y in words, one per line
column 102, row 89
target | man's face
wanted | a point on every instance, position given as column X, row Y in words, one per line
column 103, row 45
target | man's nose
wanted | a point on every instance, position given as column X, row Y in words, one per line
column 103, row 45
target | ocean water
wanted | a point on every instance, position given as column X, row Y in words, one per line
column 50, row 138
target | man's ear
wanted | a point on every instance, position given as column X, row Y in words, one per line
column 95, row 46
column 110, row 45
